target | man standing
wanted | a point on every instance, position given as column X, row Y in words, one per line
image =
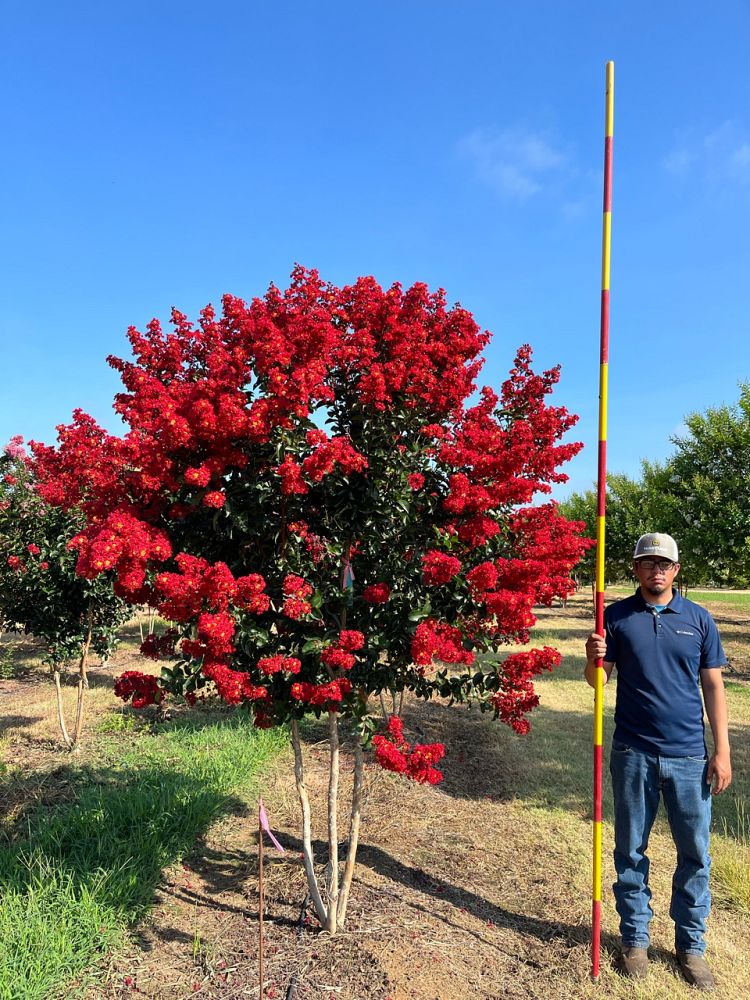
column 666, row 650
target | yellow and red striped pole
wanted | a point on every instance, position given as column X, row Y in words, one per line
column 596, row 896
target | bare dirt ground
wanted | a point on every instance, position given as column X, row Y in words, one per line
column 478, row 888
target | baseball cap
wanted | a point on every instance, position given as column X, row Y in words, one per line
column 656, row 545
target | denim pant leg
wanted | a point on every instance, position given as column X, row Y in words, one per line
column 635, row 784
column 687, row 798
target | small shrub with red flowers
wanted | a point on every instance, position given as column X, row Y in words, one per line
column 40, row 592
column 309, row 492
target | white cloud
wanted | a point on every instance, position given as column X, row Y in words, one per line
column 516, row 162
column 678, row 161
column 721, row 155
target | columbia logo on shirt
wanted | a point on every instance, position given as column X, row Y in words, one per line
column 682, row 631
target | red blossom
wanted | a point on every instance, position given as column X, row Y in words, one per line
column 393, row 753
column 214, row 499
column 351, row 640
column 157, row 647
column 143, row 689
column 438, row 640
column 279, row 664
column 438, row 567
column 377, row 593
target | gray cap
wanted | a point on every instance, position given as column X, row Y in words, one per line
column 656, row 545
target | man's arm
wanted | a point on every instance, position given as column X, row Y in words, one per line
column 720, row 764
column 596, row 648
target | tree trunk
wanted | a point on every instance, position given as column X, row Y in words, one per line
column 307, row 853
column 332, row 878
column 83, row 681
column 60, row 711
column 351, row 856
column 332, row 912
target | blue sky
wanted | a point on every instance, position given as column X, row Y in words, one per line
column 165, row 153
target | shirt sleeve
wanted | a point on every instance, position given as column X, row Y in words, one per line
column 712, row 651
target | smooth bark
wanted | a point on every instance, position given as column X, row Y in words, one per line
column 307, row 853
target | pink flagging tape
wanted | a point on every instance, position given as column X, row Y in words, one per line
column 264, row 823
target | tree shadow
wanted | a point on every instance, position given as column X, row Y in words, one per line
column 18, row 722
column 462, row 899
column 21, row 655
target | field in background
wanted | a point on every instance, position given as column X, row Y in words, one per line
column 479, row 888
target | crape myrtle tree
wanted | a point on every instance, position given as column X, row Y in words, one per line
column 307, row 491
column 40, row 592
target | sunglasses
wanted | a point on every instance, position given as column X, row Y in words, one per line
column 661, row 564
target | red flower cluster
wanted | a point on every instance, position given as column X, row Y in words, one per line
column 329, row 454
column 482, row 577
column 279, row 664
column 377, row 593
column 351, row 640
column 328, row 695
column 438, row 640
column 123, row 543
column 516, row 696
column 144, row 689
column 250, row 596
column 337, row 659
column 438, row 567
column 215, row 499
column 393, row 753
column 158, row 647
column 296, row 590
column 233, row 686
column 415, row 480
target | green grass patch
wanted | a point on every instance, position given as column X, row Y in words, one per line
column 73, row 878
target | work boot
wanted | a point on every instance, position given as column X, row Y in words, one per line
column 634, row 962
column 695, row 969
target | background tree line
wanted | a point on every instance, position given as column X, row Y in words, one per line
column 700, row 495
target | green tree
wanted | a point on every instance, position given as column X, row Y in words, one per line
column 709, row 480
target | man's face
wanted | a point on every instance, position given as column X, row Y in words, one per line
column 656, row 576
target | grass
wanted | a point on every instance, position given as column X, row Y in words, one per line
column 74, row 877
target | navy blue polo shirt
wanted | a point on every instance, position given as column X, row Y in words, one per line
column 658, row 657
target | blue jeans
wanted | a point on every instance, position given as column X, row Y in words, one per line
column 638, row 779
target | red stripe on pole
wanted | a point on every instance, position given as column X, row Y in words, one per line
column 608, row 173
column 604, row 329
column 597, row 782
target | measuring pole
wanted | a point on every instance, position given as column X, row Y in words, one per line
column 261, row 901
column 601, row 502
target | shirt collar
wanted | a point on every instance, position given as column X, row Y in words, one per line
column 675, row 605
